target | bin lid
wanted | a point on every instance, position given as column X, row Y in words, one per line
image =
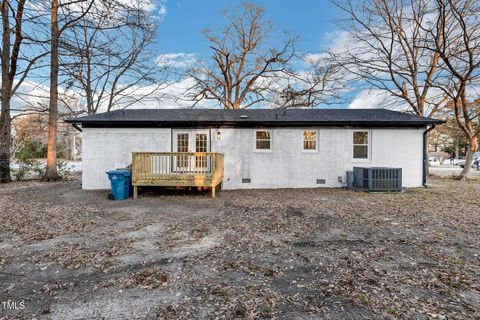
column 126, row 173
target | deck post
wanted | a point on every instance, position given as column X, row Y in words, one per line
column 135, row 192
column 213, row 191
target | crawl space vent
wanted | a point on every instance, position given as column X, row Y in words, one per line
column 246, row 180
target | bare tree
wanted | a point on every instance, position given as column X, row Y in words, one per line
column 112, row 64
column 8, row 63
column 457, row 42
column 321, row 82
column 244, row 68
column 425, row 53
column 387, row 50
column 15, row 66
column 70, row 14
column 28, row 127
column 51, row 172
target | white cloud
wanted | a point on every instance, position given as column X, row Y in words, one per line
column 337, row 41
column 178, row 60
column 157, row 8
column 162, row 10
column 35, row 96
column 314, row 58
column 174, row 95
column 377, row 99
column 32, row 95
column 369, row 99
column 145, row 5
column 170, row 96
column 334, row 42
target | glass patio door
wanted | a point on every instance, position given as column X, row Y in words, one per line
column 191, row 141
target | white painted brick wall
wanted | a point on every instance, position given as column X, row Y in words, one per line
column 104, row 149
column 286, row 166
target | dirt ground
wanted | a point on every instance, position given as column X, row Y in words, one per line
column 285, row 254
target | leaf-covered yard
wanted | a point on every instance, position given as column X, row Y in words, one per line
column 287, row 254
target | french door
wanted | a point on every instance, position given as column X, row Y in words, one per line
column 191, row 141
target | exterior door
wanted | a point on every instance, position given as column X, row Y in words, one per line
column 191, row 141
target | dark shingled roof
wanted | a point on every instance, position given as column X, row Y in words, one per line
column 252, row 117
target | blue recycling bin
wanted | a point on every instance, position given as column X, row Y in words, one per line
column 121, row 182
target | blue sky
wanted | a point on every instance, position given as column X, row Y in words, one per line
column 315, row 22
column 179, row 35
column 180, row 30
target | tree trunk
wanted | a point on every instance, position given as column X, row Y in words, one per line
column 427, row 163
column 5, row 140
column 51, row 173
column 469, row 159
column 5, row 120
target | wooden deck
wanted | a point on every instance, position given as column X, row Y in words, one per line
column 176, row 169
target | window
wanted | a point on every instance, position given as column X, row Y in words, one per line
column 262, row 140
column 360, row 144
column 309, row 140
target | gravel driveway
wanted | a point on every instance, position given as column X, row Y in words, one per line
column 286, row 254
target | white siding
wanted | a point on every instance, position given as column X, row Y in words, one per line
column 105, row 149
column 285, row 166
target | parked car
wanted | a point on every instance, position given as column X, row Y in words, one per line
column 433, row 161
column 457, row 161
column 476, row 160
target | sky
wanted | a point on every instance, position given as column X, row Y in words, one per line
column 182, row 24
column 317, row 24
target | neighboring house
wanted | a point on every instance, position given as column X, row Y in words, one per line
column 298, row 148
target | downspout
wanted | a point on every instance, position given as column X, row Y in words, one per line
column 425, row 159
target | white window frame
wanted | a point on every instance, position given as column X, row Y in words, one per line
column 255, row 140
column 316, row 141
column 369, row 146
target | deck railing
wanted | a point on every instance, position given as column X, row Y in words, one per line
column 177, row 169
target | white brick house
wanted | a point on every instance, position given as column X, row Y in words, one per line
column 262, row 148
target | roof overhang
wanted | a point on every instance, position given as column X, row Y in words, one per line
column 246, row 124
column 172, row 118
